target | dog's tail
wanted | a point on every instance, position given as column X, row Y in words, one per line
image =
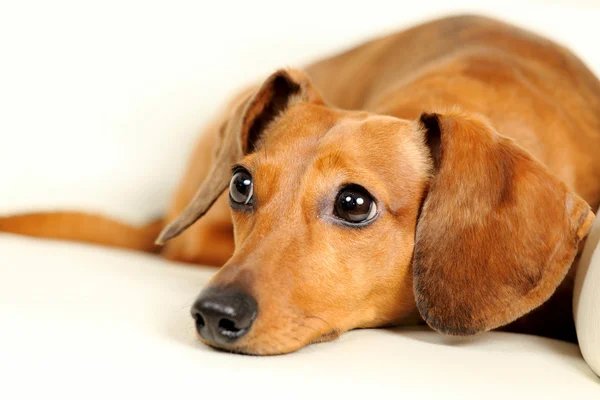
column 80, row 227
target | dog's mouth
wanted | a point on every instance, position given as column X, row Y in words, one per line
column 271, row 347
column 290, row 338
column 230, row 319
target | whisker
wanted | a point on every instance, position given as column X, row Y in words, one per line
column 321, row 319
column 253, row 145
column 188, row 303
column 309, row 327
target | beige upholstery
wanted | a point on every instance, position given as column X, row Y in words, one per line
column 79, row 322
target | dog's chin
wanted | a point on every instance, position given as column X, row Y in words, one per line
column 270, row 347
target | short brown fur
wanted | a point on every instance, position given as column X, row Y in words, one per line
column 479, row 141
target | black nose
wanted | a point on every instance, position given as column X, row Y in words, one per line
column 223, row 315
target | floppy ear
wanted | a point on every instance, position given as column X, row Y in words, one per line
column 241, row 135
column 497, row 232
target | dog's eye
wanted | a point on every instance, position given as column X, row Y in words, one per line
column 240, row 187
column 355, row 205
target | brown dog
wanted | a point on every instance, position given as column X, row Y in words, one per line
column 445, row 173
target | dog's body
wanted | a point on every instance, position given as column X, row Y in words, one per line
column 531, row 90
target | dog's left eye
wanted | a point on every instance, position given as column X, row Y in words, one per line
column 241, row 187
column 355, row 205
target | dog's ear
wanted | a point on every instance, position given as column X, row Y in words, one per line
column 241, row 135
column 497, row 231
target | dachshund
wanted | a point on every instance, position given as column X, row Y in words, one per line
column 443, row 175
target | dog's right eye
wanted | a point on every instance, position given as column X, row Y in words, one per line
column 241, row 187
column 355, row 205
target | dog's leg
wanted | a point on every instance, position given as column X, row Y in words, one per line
column 209, row 241
column 80, row 227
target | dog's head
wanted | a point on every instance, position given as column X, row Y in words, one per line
column 347, row 219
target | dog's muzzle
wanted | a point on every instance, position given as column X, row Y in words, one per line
column 223, row 315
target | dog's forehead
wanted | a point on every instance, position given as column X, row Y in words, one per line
column 318, row 146
column 304, row 133
column 374, row 148
column 327, row 141
column 365, row 132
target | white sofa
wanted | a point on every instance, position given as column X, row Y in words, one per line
column 79, row 321
column 99, row 109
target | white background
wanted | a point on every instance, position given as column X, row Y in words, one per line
column 101, row 102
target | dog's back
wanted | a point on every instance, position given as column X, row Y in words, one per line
column 532, row 90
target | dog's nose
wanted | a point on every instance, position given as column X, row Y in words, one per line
column 223, row 316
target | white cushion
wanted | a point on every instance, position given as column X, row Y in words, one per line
column 80, row 321
column 586, row 299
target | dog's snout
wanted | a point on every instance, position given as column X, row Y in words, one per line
column 223, row 316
